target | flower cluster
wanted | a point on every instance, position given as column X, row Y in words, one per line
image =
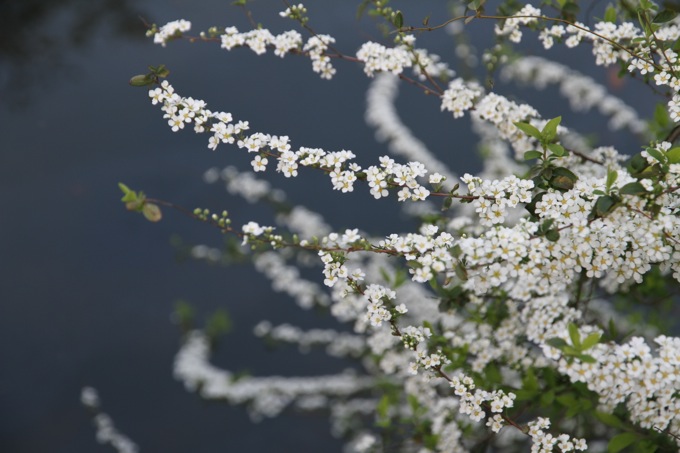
column 400, row 175
column 170, row 31
column 494, row 197
column 378, row 58
column 612, row 43
column 343, row 173
column 631, row 374
column 261, row 39
column 459, row 96
column 473, row 400
column 545, row 442
column 294, row 11
column 511, row 27
column 429, row 253
column 377, row 297
column 316, row 47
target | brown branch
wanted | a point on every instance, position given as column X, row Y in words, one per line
column 585, row 157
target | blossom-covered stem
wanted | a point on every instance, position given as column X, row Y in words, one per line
column 228, row 229
column 363, row 177
column 661, row 47
column 553, row 19
column 438, row 370
column 337, row 55
column 313, row 33
column 462, row 197
column 426, row 73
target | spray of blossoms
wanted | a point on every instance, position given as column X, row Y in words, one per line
column 498, row 313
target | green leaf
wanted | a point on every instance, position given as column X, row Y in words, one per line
column 656, row 154
column 574, row 335
column 661, row 115
column 571, row 7
column 613, row 330
column 638, row 163
column 563, row 178
column 557, row 343
column 128, row 194
column 362, row 8
column 647, row 446
column 547, row 398
column 610, row 14
column 621, row 441
column 587, row 358
column 610, row 420
column 573, row 411
column 550, row 129
column 530, row 383
column 218, row 324
column 399, row 20
column 533, row 154
column 525, row 395
column 603, row 205
column 563, row 171
column 567, row 400
column 561, row 182
column 642, row 19
column 447, row 203
column 570, row 350
column 673, row 155
column 476, row 4
column 528, row 129
column 382, row 410
column 413, row 402
column 611, row 178
column 591, row 340
column 556, row 149
column 184, row 314
column 152, row 212
column 160, row 71
column 142, row 80
column 460, row 271
column 632, row 188
column 545, row 226
column 665, row 16
column 552, row 235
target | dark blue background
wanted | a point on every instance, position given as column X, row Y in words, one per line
column 86, row 288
